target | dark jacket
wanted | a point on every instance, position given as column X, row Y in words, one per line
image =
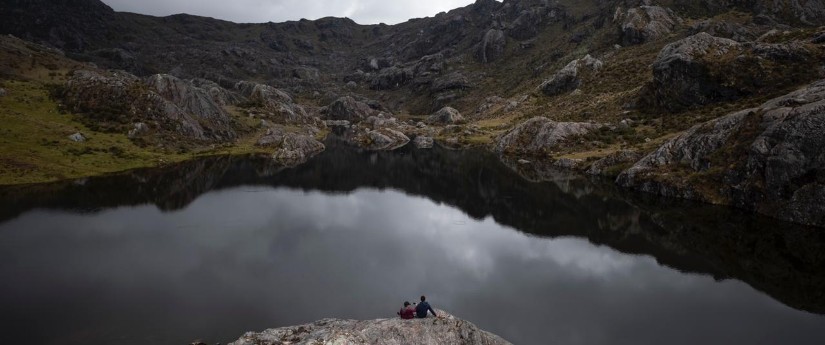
column 422, row 308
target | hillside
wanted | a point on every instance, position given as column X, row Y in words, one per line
column 593, row 85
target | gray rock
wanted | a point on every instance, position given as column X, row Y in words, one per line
column 2, row 92
column 452, row 81
column 613, row 161
column 193, row 100
column 77, row 137
column 703, row 69
column 445, row 116
column 445, row 329
column 337, row 123
column 347, row 108
column 768, row 159
column 297, row 149
column 567, row 163
column 423, row 142
column 219, row 95
column 97, row 95
column 274, row 101
column 539, row 136
column 392, row 78
column 567, row 79
column 646, row 23
column 492, row 46
column 385, row 139
column 139, row 130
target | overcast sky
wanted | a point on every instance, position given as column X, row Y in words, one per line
column 259, row 11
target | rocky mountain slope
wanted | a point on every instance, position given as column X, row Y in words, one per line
column 592, row 85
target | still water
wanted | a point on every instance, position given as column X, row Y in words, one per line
column 213, row 248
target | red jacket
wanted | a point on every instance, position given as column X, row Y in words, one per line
column 407, row 312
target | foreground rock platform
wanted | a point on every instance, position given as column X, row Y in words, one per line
column 445, row 329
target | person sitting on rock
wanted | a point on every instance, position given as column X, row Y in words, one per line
column 407, row 312
column 422, row 308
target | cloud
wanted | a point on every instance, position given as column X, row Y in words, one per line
column 259, row 11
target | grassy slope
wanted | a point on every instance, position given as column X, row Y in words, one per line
column 34, row 137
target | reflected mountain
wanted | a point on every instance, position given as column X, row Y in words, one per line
column 784, row 260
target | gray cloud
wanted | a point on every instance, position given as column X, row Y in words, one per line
column 258, row 11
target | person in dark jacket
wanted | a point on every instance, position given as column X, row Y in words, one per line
column 422, row 308
column 407, row 312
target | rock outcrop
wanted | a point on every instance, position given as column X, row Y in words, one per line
column 567, row 79
column 540, row 136
column 768, row 159
column 613, row 164
column 491, row 46
column 384, row 139
column 276, row 102
column 703, row 69
column 290, row 148
column 446, row 329
column 445, row 116
column 348, row 109
column 645, row 23
column 192, row 100
column 114, row 101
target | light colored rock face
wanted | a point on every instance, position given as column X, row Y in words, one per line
column 703, row 69
column 492, row 46
column 348, row 109
column 769, row 159
column 431, row 331
column 192, row 100
column 385, row 139
column 567, row 79
column 646, row 23
column 77, row 137
column 290, row 148
column 445, row 116
column 540, row 136
column 273, row 100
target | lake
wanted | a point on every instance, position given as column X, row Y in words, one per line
column 213, row 248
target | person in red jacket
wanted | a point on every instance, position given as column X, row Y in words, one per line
column 407, row 312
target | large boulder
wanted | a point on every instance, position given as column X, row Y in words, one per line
column 115, row 101
column 290, row 148
column 385, row 139
column 645, row 23
column 193, row 100
column 540, row 136
column 768, row 159
column 348, row 109
column 445, row 329
column 392, row 78
column 703, row 69
column 491, row 46
column 274, row 101
column 567, row 79
column 445, row 116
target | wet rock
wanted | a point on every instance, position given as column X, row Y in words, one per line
column 768, row 159
column 445, row 116
column 423, row 142
column 539, row 136
column 492, row 46
column 77, row 137
column 612, row 164
column 646, row 23
column 446, row 329
column 349, row 109
column 567, row 79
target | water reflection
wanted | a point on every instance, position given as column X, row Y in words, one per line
column 353, row 233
